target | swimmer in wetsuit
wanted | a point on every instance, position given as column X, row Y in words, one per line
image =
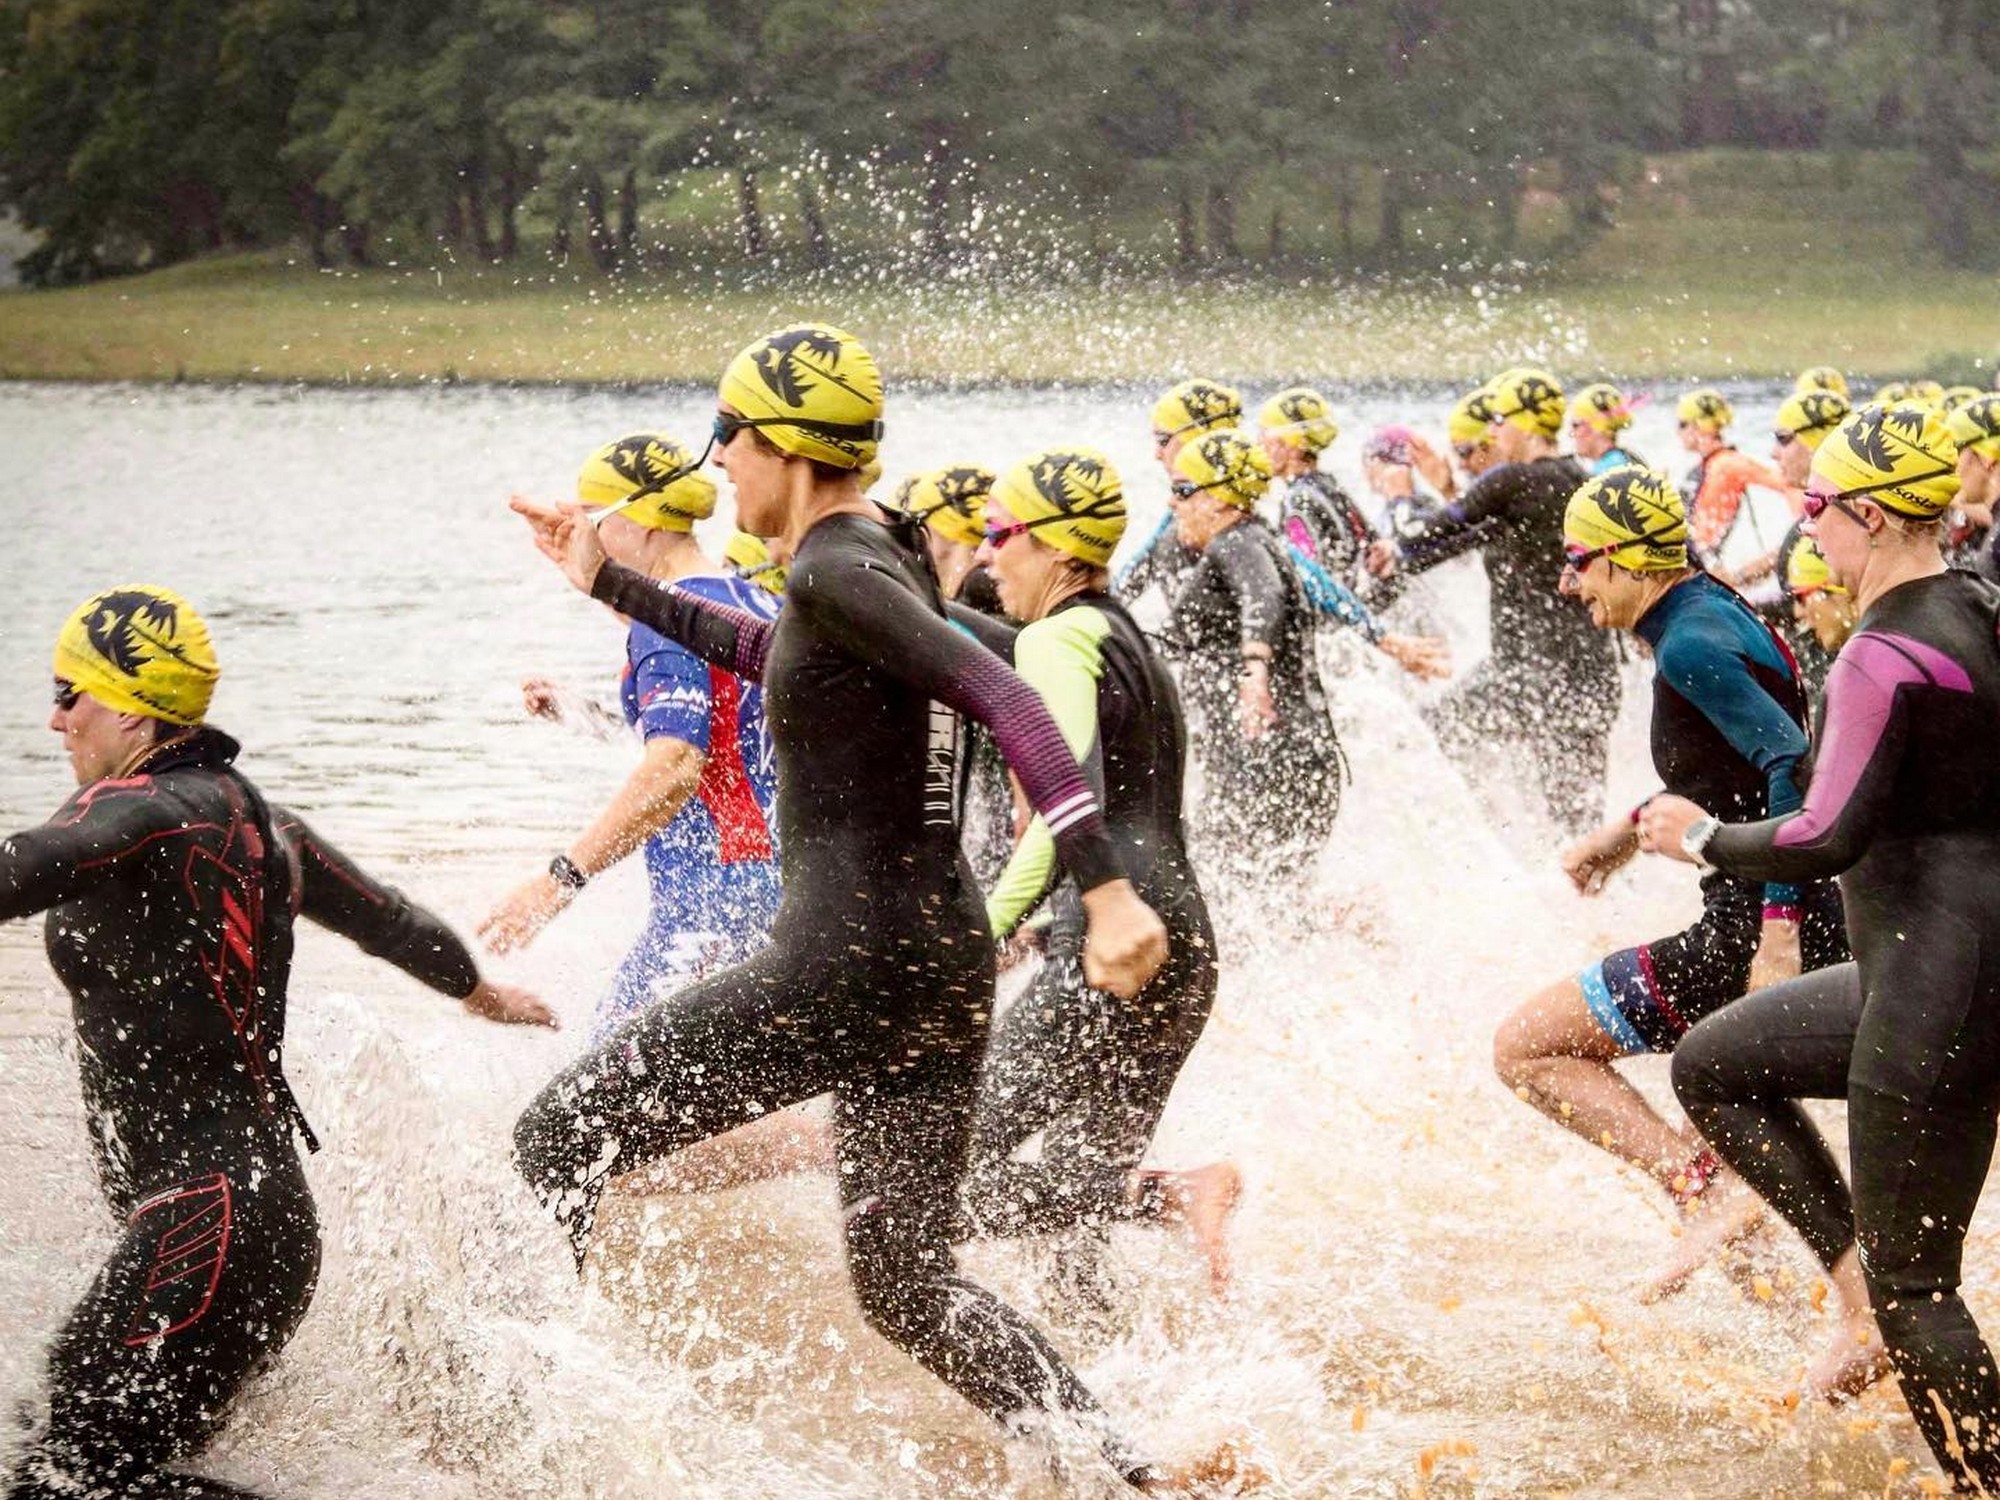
column 1975, row 427
column 1550, row 683
column 1242, row 631
column 172, row 888
column 699, row 802
column 1802, row 424
column 1598, row 415
column 877, row 985
column 1089, row 1071
column 1904, row 806
column 1190, row 410
column 951, row 504
column 1728, row 726
column 1325, row 531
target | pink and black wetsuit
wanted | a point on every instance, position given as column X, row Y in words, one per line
column 1904, row 805
column 877, row 983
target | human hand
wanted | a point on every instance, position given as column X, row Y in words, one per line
column 1124, row 941
column 542, row 698
column 1381, row 559
column 1663, row 822
column 563, row 534
column 1427, row 657
column 1256, row 710
column 510, row 1005
column 1594, row 858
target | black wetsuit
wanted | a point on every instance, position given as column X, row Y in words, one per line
column 877, row 984
column 987, row 798
column 1904, row 806
column 1728, row 733
column 1272, row 799
column 1314, row 508
column 171, row 895
column 1089, row 1071
column 1550, row 686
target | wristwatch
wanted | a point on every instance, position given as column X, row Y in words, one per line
column 1694, row 843
column 563, row 870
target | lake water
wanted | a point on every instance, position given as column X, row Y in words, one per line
column 1436, row 1288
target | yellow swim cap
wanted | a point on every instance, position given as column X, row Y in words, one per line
column 1471, row 419
column 1976, row 425
column 813, row 391
column 1637, row 512
column 1601, row 406
column 1810, row 415
column 1821, row 378
column 1901, row 457
column 1071, row 498
column 750, row 556
column 1956, row 396
column 1196, row 406
column 140, row 650
column 673, row 493
column 1529, row 398
column 1706, row 408
column 869, row 474
column 951, row 501
column 1300, row 417
column 1890, row 393
column 1806, row 571
column 1926, row 392
column 1225, row 465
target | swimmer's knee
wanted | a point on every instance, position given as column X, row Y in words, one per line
column 1692, row 1070
column 1514, row 1053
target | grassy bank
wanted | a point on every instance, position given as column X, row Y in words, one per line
column 1719, row 265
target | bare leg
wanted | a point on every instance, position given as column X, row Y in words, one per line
column 1553, row 1054
column 1203, row 1199
column 1230, row 1467
column 1855, row 1358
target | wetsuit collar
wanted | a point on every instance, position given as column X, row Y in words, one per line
column 206, row 746
column 1653, row 623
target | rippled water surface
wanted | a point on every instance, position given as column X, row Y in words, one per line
column 1436, row 1289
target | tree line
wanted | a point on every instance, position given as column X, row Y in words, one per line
column 137, row 133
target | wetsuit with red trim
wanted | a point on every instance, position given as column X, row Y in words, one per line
column 1904, row 807
column 171, row 895
column 877, row 984
column 1728, row 733
column 712, row 871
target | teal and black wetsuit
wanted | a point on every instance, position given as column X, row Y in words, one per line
column 877, row 983
column 1904, row 806
column 171, row 895
column 1550, row 685
column 1088, row 1070
column 1272, row 798
column 1728, row 733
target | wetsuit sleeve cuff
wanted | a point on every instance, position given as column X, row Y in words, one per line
column 1782, row 903
column 622, row 587
column 1088, row 856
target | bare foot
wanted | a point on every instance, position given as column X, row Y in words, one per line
column 1232, row 1465
column 1206, row 1198
column 1723, row 1214
column 1855, row 1360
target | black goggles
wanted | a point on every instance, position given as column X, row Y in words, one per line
column 66, row 694
column 728, row 424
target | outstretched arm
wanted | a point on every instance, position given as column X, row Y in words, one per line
column 384, row 923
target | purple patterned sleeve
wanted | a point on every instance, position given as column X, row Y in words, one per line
column 731, row 638
column 875, row 615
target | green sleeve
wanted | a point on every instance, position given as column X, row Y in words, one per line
column 1060, row 657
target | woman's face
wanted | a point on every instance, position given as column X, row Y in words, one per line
column 1794, row 459
column 757, row 472
column 1590, row 444
column 1845, row 539
column 1021, row 567
column 624, row 539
